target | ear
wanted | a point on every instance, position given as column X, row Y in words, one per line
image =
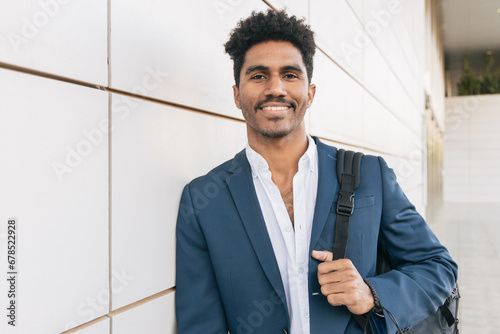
column 236, row 95
column 310, row 94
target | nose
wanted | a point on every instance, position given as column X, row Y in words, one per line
column 275, row 86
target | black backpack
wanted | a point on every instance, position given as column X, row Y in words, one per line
column 445, row 320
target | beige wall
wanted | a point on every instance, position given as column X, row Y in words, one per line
column 472, row 149
column 97, row 208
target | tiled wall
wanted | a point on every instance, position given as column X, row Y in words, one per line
column 472, row 149
column 96, row 207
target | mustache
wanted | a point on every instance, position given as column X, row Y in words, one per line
column 274, row 99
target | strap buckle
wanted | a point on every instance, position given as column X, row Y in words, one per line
column 345, row 204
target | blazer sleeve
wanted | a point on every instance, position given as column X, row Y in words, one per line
column 424, row 273
column 198, row 304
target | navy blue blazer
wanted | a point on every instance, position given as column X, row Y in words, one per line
column 227, row 277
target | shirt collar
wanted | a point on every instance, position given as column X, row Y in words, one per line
column 311, row 156
column 256, row 160
column 308, row 160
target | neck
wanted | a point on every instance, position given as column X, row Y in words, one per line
column 282, row 154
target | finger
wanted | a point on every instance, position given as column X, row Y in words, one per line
column 348, row 298
column 336, row 276
column 339, row 287
column 334, row 266
column 322, row 255
column 357, row 299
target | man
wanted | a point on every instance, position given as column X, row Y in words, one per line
column 256, row 257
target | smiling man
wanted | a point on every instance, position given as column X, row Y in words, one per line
column 256, row 257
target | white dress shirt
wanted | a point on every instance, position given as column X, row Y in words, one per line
column 291, row 247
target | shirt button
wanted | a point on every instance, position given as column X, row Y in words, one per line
column 273, row 191
column 306, row 314
column 301, row 270
column 288, row 228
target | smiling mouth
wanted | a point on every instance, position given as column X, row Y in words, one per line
column 280, row 108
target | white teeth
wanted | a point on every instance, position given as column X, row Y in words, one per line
column 275, row 108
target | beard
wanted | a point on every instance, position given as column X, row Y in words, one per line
column 274, row 133
column 270, row 131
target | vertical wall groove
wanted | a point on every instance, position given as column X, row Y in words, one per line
column 110, row 161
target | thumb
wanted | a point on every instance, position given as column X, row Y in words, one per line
column 322, row 255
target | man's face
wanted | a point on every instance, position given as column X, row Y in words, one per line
column 274, row 92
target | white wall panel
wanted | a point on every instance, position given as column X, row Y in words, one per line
column 416, row 198
column 299, row 8
column 339, row 33
column 410, row 173
column 382, row 82
column 67, row 38
column 380, row 20
column 54, row 180
column 377, row 19
column 337, row 110
column 102, row 327
column 154, row 317
column 404, row 108
column 383, row 131
column 472, row 149
column 387, row 72
column 357, row 7
column 156, row 151
column 168, row 50
column 376, row 75
column 400, row 66
column 414, row 20
column 403, row 59
column 399, row 21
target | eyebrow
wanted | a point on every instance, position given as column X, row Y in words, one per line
column 295, row 68
column 255, row 68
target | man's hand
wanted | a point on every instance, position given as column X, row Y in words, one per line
column 342, row 284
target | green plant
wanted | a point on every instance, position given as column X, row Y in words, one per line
column 487, row 83
column 468, row 84
column 490, row 80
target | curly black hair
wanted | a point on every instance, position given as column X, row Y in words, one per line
column 270, row 26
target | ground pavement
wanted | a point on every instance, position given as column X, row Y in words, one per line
column 471, row 232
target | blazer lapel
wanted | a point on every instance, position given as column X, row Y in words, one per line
column 327, row 188
column 241, row 186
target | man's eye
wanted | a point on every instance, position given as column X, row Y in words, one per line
column 258, row 77
column 291, row 76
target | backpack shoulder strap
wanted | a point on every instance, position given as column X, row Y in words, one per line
column 348, row 175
